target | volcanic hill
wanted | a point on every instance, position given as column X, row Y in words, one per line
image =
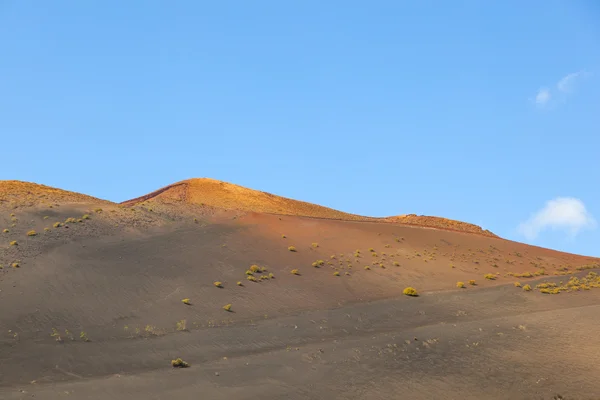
column 268, row 297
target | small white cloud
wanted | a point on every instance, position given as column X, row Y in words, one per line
column 566, row 84
column 563, row 213
column 542, row 97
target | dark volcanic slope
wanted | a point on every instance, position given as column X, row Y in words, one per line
column 94, row 309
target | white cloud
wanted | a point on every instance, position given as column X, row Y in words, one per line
column 542, row 96
column 563, row 213
column 564, row 86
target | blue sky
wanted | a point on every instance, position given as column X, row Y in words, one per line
column 486, row 112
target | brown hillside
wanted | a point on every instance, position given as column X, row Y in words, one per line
column 268, row 306
column 27, row 194
column 440, row 223
column 211, row 192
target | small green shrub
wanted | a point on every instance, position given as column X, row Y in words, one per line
column 179, row 363
column 410, row 291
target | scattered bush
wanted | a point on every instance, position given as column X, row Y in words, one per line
column 550, row 290
column 179, row 363
column 336, row 273
column 5, row 231
column 218, row 284
column 367, row 267
column 239, row 283
column 227, row 307
column 523, row 275
column 248, row 272
column 315, row 245
column 31, row 233
column 460, row 285
column 57, row 225
column 292, row 248
column 187, row 301
column 251, row 278
column 410, row 291
column 14, row 243
column 254, row 268
column 182, row 325
column 283, row 236
column 396, row 264
column 472, row 282
column 491, row 277
column 15, row 265
column 295, row 272
column 83, row 336
column 271, row 276
column 517, row 284
column 527, row 288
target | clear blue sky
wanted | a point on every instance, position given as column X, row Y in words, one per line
column 462, row 109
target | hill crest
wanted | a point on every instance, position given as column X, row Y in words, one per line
column 27, row 194
column 224, row 195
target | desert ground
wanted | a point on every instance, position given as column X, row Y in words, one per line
column 271, row 298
